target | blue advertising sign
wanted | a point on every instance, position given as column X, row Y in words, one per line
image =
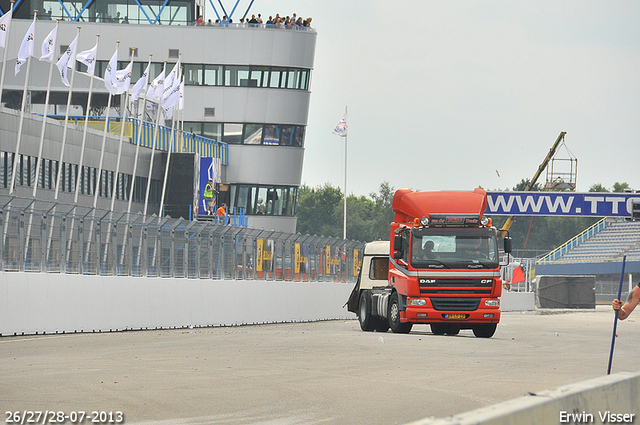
column 206, row 173
column 562, row 203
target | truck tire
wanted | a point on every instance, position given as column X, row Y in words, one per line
column 485, row 330
column 382, row 325
column 367, row 323
column 438, row 328
column 394, row 317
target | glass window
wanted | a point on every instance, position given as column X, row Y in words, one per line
column 298, row 136
column 236, row 76
column 260, row 74
column 274, row 80
column 304, row 79
column 212, row 75
column 292, row 79
column 253, row 134
column 212, row 130
column 232, row 134
column 271, row 134
column 245, row 199
column 193, row 75
column 286, row 135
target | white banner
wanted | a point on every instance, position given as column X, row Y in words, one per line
column 140, row 85
column 49, row 45
column 5, row 22
column 88, row 57
column 63, row 63
column 27, row 46
column 341, row 128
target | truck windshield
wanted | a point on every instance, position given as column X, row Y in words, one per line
column 454, row 247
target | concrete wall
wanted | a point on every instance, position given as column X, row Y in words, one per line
column 618, row 394
column 517, row 301
column 33, row 303
column 36, row 303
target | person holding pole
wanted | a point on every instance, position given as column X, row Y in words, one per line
column 632, row 301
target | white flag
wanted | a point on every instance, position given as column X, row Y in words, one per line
column 63, row 63
column 155, row 88
column 49, row 45
column 123, row 78
column 117, row 82
column 140, row 85
column 341, row 128
column 26, row 48
column 171, row 94
column 88, row 57
column 5, row 22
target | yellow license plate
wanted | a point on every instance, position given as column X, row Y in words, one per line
column 456, row 316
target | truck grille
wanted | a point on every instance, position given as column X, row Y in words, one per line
column 455, row 286
column 456, row 304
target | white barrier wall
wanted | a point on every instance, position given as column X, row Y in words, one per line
column 608, row 399
column 36, row 303
column 39, row 303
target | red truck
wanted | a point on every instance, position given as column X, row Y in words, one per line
column 442, row 267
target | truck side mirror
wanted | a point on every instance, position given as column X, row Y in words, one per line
column 507, row 244
column 397, row 255
column 397, row 243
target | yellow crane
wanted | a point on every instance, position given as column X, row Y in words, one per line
column 509, row 221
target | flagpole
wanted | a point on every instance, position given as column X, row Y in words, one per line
column 6, row 48
column 84, row 130
column 66, row 119
column 153, row 147
column 22, row 108
column 173, row 127
column 44, row 122
column 139, row 137
column 166, row 170
column 124, row 118
column 344, row 226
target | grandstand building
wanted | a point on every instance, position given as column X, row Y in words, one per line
column 247, row 93
column 599, row 251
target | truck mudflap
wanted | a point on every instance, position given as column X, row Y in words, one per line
column 352, row 302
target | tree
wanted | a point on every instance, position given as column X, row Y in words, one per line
column 597, row 187
column 320, row 211
column 522, row 186
column 620, row 187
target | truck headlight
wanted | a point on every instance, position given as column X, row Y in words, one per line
column 492, row 303
column 417, row 301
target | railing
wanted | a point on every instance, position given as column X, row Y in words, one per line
column 574, row 242
column 188, row 142
column 51, row 237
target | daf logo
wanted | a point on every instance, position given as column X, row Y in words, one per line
column 427, row 281
column 486, row 280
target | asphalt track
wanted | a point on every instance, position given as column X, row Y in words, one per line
column 308, row 373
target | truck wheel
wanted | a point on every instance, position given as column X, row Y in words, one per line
column 485, row 330
column 364, row 317
column 394, row 317
column 382, row 325
column 438, row 328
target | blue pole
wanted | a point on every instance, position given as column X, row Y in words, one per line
column 615, row 320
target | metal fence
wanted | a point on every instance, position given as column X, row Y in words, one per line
column 50, row 237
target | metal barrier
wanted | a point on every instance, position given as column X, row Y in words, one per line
column 51, row 237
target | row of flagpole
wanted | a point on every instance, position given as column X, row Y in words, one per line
column 167, row 92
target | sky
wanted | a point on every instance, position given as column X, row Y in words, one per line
column 453, row 95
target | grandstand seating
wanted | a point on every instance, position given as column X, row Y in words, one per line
column 619, row 238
